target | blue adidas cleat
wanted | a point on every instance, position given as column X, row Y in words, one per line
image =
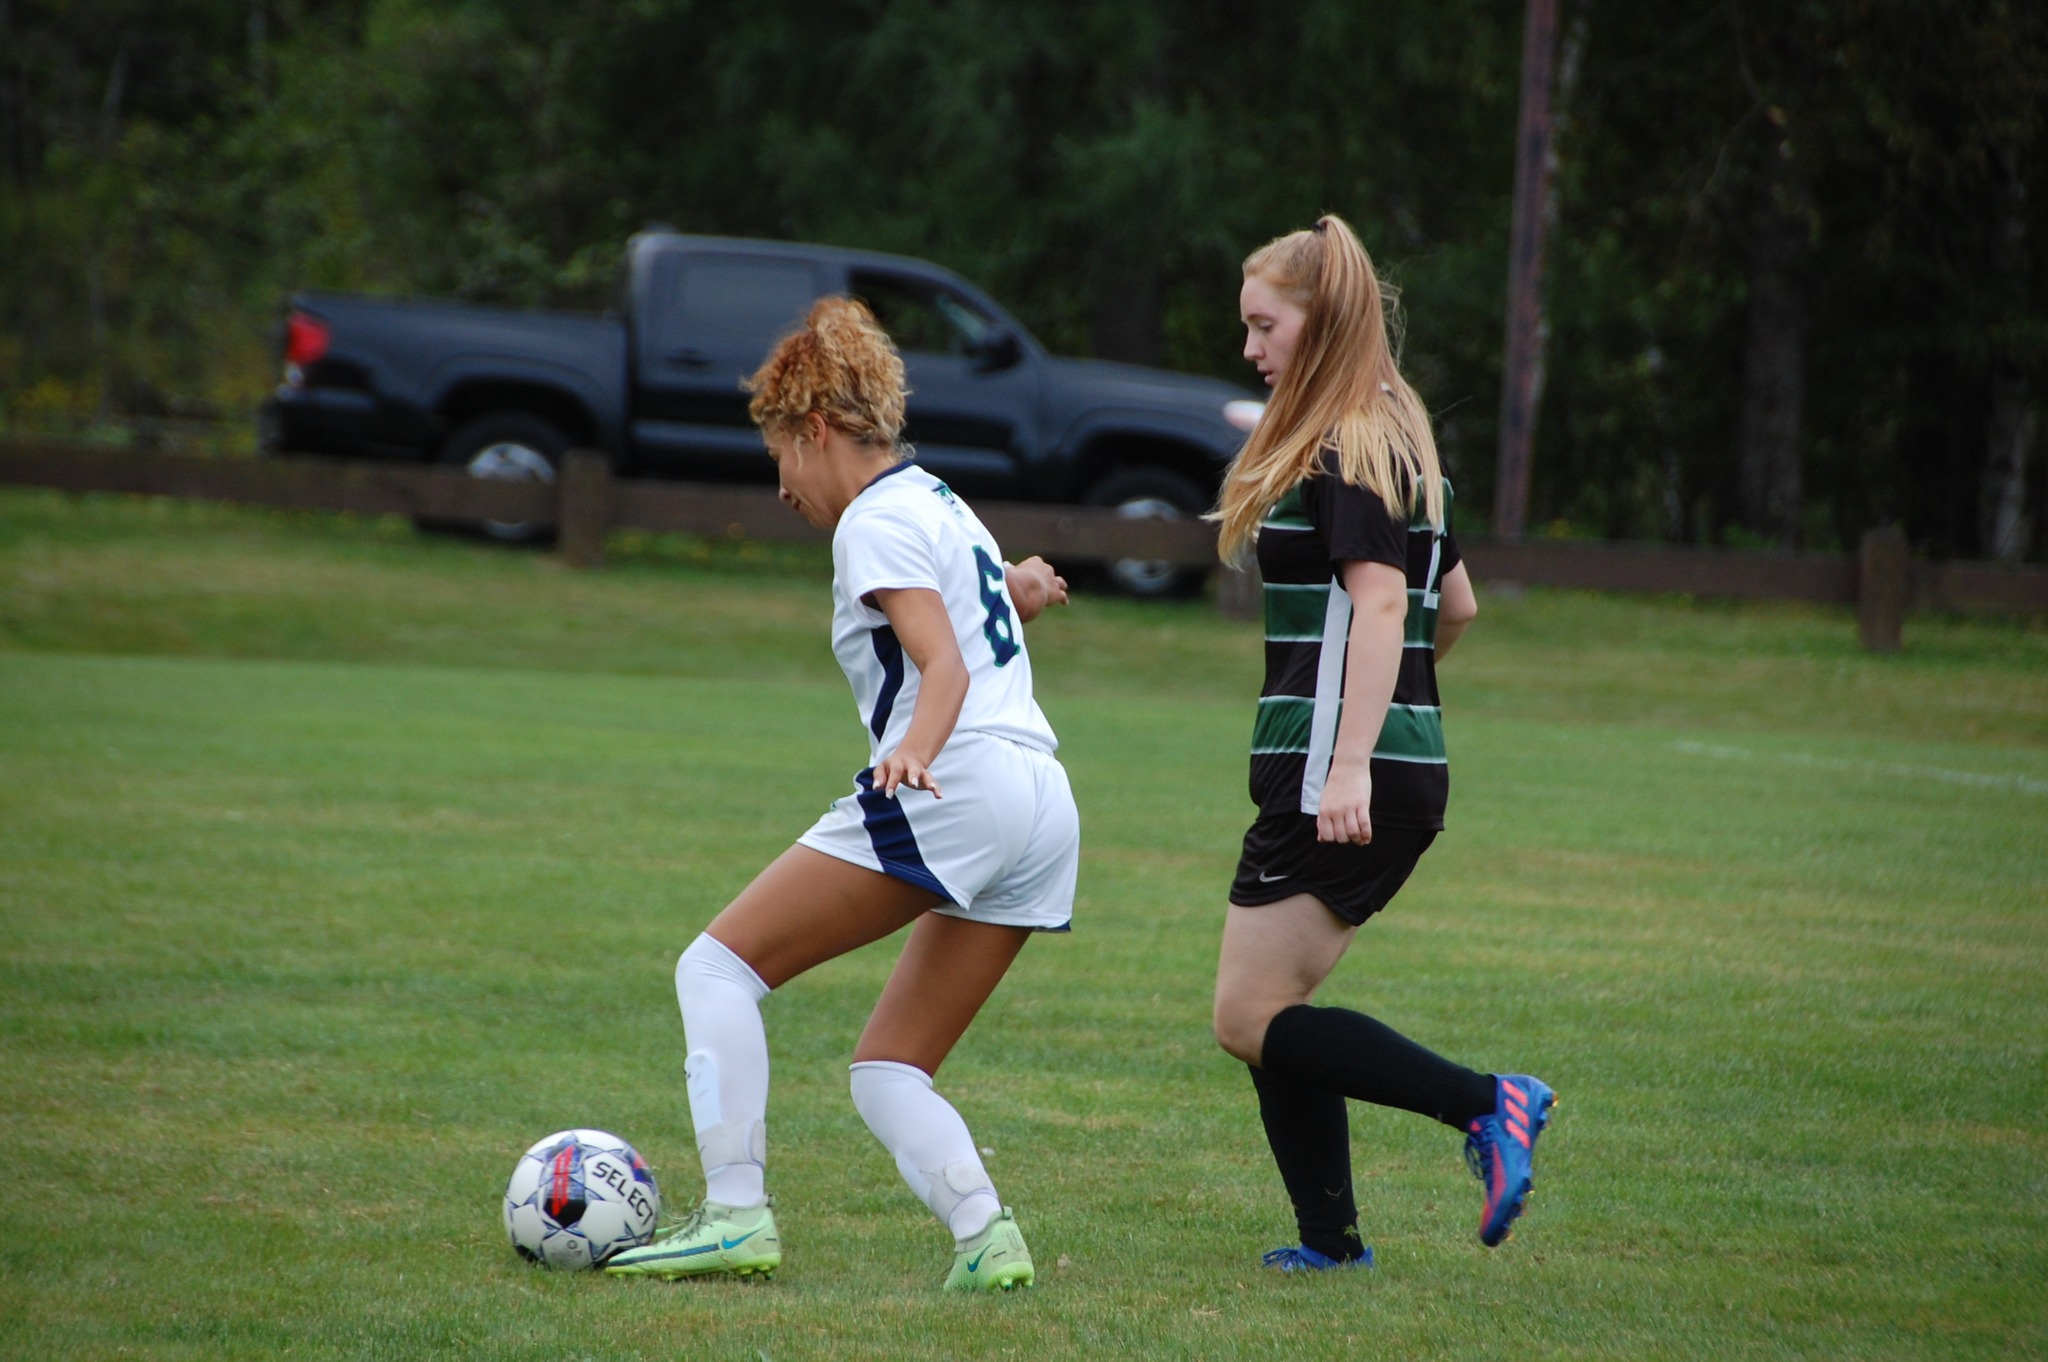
column 1500, row 1149
column 1305, row 1259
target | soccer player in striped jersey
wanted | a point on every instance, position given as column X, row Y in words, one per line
column 962, row 823
column 1340, row 488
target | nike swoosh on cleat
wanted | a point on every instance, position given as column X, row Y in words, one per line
column 678, row 1253
column 735, row 1243
column 974, row 1263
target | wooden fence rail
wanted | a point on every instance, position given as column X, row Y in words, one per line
column 587, row 502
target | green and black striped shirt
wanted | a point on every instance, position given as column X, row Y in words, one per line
column 1321, row 524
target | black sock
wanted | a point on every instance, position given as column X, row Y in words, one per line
column 1350, row 1053
column 1311, row 1140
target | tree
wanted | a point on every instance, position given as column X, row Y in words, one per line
column 1792, row 289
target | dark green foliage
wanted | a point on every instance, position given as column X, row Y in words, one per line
column 172, row 170
column 1904, row 126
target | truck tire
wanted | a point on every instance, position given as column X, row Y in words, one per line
column 508, row 444
column 1141, row 492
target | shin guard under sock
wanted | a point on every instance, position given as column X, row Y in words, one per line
column 1349, row 1053
column 727, row 1069
column 933, row 1149
column 1311, row 1140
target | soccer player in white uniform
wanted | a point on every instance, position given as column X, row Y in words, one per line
column 962, row 823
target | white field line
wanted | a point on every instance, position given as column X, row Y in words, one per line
column 2023, row 784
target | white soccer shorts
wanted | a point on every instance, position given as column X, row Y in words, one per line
column 1003, row 843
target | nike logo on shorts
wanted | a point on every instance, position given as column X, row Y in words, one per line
column 1264, row 878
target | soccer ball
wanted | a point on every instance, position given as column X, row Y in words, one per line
column 578, row 1197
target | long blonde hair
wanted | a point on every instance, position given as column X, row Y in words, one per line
column 1342, row 388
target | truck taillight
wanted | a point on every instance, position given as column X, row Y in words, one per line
column 305, row 339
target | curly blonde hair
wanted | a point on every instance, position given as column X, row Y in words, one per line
column 841, row 365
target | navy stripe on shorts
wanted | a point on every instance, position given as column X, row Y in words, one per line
column 889, row 832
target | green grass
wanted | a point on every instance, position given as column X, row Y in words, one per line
column 338, row 865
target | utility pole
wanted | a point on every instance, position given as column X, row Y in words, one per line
column 1522, row 360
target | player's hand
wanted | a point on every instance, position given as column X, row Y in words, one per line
column 1346, row 809
column 900, row 769
column 1034, row 586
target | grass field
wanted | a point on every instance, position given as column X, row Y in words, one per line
column 338, row 865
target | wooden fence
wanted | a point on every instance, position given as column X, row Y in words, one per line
column 587, row 502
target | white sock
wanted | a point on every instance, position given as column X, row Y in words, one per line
column 933, row 1150
column 727, row 1069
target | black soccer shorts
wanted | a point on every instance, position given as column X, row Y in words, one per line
column 1282, row 858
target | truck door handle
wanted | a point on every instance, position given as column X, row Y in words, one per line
column 688, row 354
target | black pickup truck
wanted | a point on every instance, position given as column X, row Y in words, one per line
column 505, row 393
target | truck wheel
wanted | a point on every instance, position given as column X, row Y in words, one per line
column 508, row 444
column 1146, row 493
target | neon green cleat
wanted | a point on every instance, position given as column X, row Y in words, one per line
column 994, row 1260
column 713, row 1238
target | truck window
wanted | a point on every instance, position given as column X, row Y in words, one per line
column 742, row 298
column 921, row 316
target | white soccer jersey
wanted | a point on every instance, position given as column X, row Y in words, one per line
column 907, row 529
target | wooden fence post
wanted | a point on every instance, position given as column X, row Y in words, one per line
column 1882, row 584
column 1239, row 592
column 585, row 515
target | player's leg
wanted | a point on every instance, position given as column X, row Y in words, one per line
column 1275, row 957
column 1269, row 969
column 1309, row 1131
column 950, row 966
column 805, row 908
column 808, row 907
column 948, row 969
column 1023, row 810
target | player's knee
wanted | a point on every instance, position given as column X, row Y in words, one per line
column 1240, row 1028
column 709, row 963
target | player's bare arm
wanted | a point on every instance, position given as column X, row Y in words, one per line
column 1379, row 607
column 1033, row 586
column 918, row 615
column 1457, row 606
